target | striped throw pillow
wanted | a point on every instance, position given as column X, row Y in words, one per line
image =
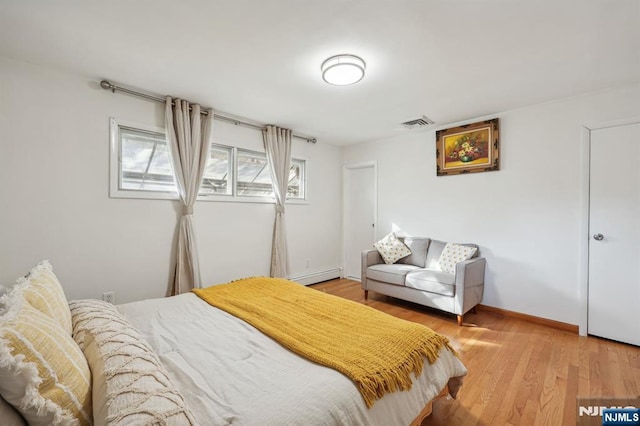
column 45, row 293
column 43, row 372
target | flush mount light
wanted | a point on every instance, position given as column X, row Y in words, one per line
column 343, row 70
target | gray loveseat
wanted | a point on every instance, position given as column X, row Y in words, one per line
column 419, row 279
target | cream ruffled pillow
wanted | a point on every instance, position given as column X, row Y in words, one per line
column 130, row 387
column 43, row 373
column 392, row 249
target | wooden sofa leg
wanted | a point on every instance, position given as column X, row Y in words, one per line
column 460, row 320
column 366, row 294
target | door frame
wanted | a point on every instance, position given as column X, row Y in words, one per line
column 585, row 178
column 346, row 175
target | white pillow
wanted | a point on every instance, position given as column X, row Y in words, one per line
column 392, row 249
column 130, row 385
column 454, row 253
column 9, row 415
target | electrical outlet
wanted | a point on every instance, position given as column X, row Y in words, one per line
column 109, row 297
column 307, row 262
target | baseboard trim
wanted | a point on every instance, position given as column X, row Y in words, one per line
column 531, row 318
column 318, row 277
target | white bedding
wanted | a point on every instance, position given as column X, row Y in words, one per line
column 230, row 373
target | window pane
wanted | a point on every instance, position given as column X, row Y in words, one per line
column 254, row 176
column 218, row 172
column 135, row 154
column 144, row 161
column 296, row 179
column 254, row 179
column 161, row 163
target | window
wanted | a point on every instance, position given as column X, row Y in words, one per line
column 254, row 176
column 141, row 168
column 145, row 164
column 140, row 162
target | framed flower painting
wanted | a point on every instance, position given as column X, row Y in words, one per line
column 469, row 148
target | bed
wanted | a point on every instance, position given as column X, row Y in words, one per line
column 220, row 370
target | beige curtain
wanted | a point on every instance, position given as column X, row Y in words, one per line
column 189, row 138
column 277, row 144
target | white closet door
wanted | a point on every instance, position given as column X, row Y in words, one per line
column 359, row 216
column 614, row 224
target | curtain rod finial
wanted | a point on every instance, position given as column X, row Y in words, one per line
column 106, row 85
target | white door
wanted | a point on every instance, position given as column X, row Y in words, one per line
column 614, row 228
column 359, row 214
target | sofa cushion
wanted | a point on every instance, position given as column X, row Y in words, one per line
column 418, row 247
column 391, row 248
column 431, row 280
column 433, row 255
column 454, row 253
column 390, row 274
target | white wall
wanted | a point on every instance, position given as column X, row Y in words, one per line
column 525, row 217
column 54, row 166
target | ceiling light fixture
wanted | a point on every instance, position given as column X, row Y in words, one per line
column 343, row 70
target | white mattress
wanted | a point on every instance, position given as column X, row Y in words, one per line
column 230, row 373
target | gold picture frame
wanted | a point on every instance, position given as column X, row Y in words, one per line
column 470, row 148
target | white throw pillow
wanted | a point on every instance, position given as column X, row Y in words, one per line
column 392, row 249
column 9, row 415
column 454, row 253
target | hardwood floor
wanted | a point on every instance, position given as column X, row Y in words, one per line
column 520, row 373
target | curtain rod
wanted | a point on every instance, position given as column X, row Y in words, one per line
column 107, row 85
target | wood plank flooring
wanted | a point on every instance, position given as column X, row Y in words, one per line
column 520, row 373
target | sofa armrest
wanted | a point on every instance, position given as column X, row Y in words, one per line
column 469, row 284
column 470, row 273
column 369, row 257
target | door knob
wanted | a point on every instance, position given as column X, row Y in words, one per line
column 598, row 237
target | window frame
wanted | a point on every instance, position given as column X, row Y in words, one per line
column 114, row 172
column 115, row 160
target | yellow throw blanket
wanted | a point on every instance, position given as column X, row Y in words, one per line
column 375, row 350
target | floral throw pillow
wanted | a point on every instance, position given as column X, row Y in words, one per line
column 454, row 253
column 392, row 249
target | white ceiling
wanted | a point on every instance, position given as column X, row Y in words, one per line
column 450, row 60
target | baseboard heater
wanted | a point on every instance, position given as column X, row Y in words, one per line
column 318, row 277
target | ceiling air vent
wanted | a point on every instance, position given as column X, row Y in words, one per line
column 418, row 122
